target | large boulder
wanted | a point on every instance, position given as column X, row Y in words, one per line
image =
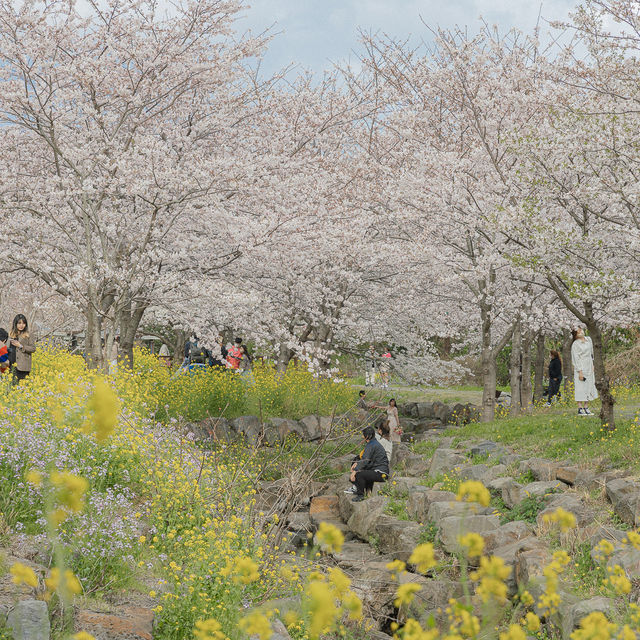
column 509, row 554
column 541, row 468
column 505, row 535
column 315, row 427
column 405, row 461
column 211, row 430
column 277, row 430
column 419, row 501
column 445, row 460
column 529, row 564
column 440, row 510
column 29, row 620
column 624, row 495
column 366, row 514
column 397, row 538
column 126, row 623
column 424, row 410
column 354, row 554
column 570, row 503
column 570, row 616
column 324, row 509
column 513, row 494
column 452, row 527
column 250, row 427
column 405, row 484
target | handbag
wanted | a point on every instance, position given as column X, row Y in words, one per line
column 11, row 352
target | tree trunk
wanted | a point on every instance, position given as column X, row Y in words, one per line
column 607, row 417
column 130, row 319
column 567, row 366
column 93, row 337
column 538, row 376
column 446, row 347
column 526, row 398
column 488, row 365
column 178, row 346
column 284, row 357
column 514, row 368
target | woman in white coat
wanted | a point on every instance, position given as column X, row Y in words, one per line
column 584, row 379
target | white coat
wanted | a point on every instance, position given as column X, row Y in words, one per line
column 582, row 360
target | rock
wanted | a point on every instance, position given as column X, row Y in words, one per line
column 510, row 458
column 404, row 485
column 425, row 410
column 343, row 463
column 568, row 473
column 211, row 430
column 313, row 427
column 374, row 586
column 409, row 409
column 279, row 631
column 509, row 554
column 485, row 447
column 365, row 514
column 571, row 616
column 511, row 492
column 300, row 526
column 415, row 465
column 419, row 502
column 354, row 554
column 445, row 461
column 514, row 493
column 250, row 428
column 324, row 505
column 529, row 564
column 453, row 526
column 128, row 623
column 496, row 485
column 396, row 537
column 506, row 535
column 629, row 559
column 608, row 533
column 569, row 503
column 432, row 599
column 624, row 495
column 440, row 510
column 541, row 468
column 29, row 620
column 277, row 430
column 474, row 472
column 399, row 454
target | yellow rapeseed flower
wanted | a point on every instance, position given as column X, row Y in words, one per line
column 618, row 580
column 594, row 627
column 532, row 622
column 474, row 491
column 329, row 537
column 82, row 635
column 423, row 557
column 256, row 624
column 473, row 543
column 564, row 518
column 515, row 632
column 492, row 573
column 23, row 575
column 104, row 406
column 406, row 593
column 70, row 489
column 208, row 630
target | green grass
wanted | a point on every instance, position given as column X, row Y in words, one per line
column 564, row 436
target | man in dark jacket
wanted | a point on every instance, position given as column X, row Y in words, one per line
column 371, row 466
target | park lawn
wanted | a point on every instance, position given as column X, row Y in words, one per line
column 564, row 436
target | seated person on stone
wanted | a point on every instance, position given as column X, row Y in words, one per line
column 371, row 466
column 362, row 402
column 382, row 436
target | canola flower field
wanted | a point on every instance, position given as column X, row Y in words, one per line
column 94, row 470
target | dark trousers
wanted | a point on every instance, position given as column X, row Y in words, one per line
column 19, row 375
column 554, row 388
column 365, row 480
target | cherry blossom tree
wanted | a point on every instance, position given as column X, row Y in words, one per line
column 121, row 128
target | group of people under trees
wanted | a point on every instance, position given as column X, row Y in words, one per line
column 375, row 364
column 235, row 356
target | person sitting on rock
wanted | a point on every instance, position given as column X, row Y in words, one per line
column 371, row 466
column 382, row 436
column 362, row 400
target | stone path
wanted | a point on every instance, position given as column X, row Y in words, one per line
column 514, row 527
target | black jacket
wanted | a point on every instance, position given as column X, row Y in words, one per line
column 555, row 369
column 374, row 458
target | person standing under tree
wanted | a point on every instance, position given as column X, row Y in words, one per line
column 370, row 367
column 584, row 378
column 555, row 376
column 23, row 345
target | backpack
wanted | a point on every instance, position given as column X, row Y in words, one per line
column 198, row 354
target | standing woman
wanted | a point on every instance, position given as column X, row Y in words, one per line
column 555, row 376
column 24, row 346
column 584, row 378
column 394, row 421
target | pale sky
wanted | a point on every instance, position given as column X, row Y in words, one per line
column 318, row 32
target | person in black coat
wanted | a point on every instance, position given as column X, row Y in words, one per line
column 555, row 376
column 371, row 466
